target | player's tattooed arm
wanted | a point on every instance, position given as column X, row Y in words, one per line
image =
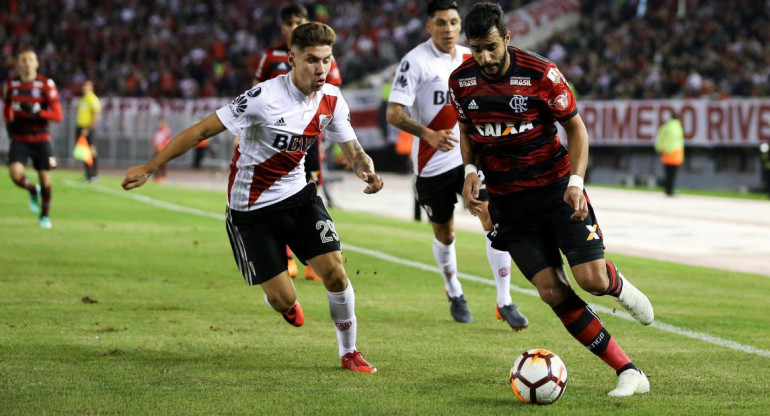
column 440, row 139
column 362, row 165
column 398, row 118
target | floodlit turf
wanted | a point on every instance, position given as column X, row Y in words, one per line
column 129, row 308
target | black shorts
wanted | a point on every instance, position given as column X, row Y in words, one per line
column 41, row 154
column 88, row 136
column 438, row 194
column 533, row 226
column 259, row 238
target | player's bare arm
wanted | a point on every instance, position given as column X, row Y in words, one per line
column 439, row 139
column 136, row 176
column 577, row 136
column 472, row 183
column 362, row 165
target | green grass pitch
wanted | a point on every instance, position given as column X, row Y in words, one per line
column 127, row 307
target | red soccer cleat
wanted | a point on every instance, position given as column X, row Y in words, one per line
column 310, row 274
column 353, row 361
column 295, row 316
column 291, row 266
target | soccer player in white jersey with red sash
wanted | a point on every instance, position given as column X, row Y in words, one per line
column 421, row 83
column 270, row 204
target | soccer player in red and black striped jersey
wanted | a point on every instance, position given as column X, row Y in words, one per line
column 275, row 62
column 507, row 101
column 30, row 101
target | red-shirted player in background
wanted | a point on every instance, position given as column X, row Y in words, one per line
column 274, row 62
column 30, row 101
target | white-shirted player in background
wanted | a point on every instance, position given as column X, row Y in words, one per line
column 270, row 204
column 421, row 83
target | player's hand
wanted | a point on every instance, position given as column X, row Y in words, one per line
column 471, row 189
column 30, row 108
column 575, row 198
column 135, row 177
column 374, row 180
column 441, row 140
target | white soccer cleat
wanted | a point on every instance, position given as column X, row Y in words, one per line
column 631, row 382
column 635, row 302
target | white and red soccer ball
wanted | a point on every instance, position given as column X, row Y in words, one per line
column 538, row 376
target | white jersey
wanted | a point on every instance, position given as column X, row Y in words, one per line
column 422, row 83
column 277, row 124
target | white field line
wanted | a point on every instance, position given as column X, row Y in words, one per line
column 387, row 257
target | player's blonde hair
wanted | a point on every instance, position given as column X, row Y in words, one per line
column 312, row 34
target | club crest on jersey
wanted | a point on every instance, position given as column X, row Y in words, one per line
column 503, row 129
column 254, row 92
column 521, row 81
column 404, row 66
column 560, row 102
column 237, row 106
column 324, row 120
column 518, row 103
column 467, row 82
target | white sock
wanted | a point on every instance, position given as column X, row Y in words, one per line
column 446, row 258
column 500, row 262
column 342, row 307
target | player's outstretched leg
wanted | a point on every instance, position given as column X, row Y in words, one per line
column 505, row 309
column 446, row 258
column 583, row 324
column 342, row 307
column 631, row 298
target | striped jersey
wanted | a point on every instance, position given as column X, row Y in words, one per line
column 514, row 137
column 277, row 124
column 421, row 83
column 275, row 61
column 41, row 95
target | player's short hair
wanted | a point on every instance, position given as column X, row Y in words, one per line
column 438, row 5
column 26, row 50
column 482, row 18
column 312, row 34
column 293, row 10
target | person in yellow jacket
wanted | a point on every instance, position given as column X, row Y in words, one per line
column 670, row 145
column 89, row 109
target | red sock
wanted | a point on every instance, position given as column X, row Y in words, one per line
column 587, row 328
column 45, row 195
column 24, row 183
column 616, row 283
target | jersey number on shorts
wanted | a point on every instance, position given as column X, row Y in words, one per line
column 328, row 232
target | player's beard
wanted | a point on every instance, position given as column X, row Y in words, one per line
column 500, row 67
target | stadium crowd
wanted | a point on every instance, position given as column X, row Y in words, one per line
column 715, row 49
column 203, row 48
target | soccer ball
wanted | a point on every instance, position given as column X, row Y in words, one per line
column 538, row 376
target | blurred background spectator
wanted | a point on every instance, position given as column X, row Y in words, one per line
column 193, row 48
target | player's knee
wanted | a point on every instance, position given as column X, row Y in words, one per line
column 593, row 283
column 336, row 280
column 445, row 235
column 281, row 302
